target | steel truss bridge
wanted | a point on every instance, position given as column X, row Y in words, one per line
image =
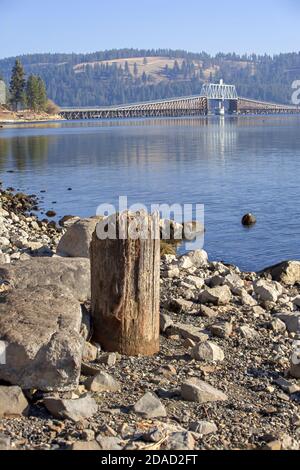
column 199, row 105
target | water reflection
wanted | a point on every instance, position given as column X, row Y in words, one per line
column 233, row 166
column 23, row 152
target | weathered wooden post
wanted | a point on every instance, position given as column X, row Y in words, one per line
column 125, row 284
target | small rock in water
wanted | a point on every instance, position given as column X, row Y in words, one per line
column 248, row 220
column 50, row 213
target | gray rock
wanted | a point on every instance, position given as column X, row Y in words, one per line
column 180, row 441
column 287, row 272
column 75, row 410
column 86, row 445
column 109, row 443
column 108, row 359
column 248, row 333
column 295, row 370
column 291, row 320
column 196, row 390
column 89, row 370
column 287, row 386
column 196, row 259
column 188, row 331
column 90, row 352
column 278, row 325
column 207, row 312
column 165, row 322
column 171, row 272
column 5, row 442
column 149, row 406
column 266, row 291
column 181, row 306
column 4, row 258
column 208, row 352
column 221, row 329
column 296, row 301
column 75, row 243
column 72, row 274
column 194, row 281
column 12, row 402
column 220, row 295
column 102, row 382
column 41, row 327
column 88, row 435
column 203, row 428
column 234, row 282
column 246, row 299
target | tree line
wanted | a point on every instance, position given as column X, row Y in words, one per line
column 30, row 94
column 100, row 83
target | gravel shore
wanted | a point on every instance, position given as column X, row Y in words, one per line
column 225, row 377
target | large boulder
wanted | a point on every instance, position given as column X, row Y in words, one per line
column 287, row 272
column 72, row 274
column 41, row 329
column 75, row 243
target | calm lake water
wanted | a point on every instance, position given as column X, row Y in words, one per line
column 233, row 166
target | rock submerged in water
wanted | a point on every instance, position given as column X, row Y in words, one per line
column 50, row 213
column 248, row 220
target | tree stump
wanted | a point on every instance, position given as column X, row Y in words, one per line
column 125, row 285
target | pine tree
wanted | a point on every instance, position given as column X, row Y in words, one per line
column 17, row 85
column 135, row 69
column 32, row 93
column 42, row 94
column 36, row 93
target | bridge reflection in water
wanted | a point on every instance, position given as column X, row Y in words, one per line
column 213, row 96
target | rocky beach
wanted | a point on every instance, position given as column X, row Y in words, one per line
column 227, row 375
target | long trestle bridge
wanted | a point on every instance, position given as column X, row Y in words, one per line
column 214, row 98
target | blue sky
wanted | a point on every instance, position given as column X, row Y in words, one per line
column 28, row 26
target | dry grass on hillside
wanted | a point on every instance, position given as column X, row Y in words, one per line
column 154, row 66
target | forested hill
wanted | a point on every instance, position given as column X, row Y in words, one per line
column 129, row 75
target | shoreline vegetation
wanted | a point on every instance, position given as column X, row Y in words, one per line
column 25, row 116
column 26, row 100
column 224, row 378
